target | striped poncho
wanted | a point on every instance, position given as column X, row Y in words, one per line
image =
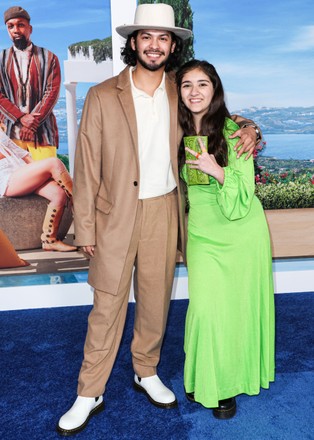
column 41, row 95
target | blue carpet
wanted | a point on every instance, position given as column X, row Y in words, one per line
column 41, row 353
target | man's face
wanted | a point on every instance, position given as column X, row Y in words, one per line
column 19, row 31
column 153, row 48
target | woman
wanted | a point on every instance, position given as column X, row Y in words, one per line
column 229, row 336
column 20, row 175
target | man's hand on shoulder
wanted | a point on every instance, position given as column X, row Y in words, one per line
column 249, row 134
column 246, row 143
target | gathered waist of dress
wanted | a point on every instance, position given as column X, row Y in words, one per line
column 203, row 194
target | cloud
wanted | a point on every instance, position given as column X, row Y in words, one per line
column 249, row 70
column 69, row 23
column 236, row 101
column 303, row 41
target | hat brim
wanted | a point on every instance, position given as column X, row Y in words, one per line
column 127, row 30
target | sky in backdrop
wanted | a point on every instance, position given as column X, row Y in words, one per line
column 263, row 50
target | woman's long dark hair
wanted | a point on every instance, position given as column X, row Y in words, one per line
column 213, row 121
column 129, row 57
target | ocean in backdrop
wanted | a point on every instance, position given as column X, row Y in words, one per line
column 295, row 142
column 289, row 146
column 280, row 146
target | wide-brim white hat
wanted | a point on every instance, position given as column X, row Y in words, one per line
column 154, row 17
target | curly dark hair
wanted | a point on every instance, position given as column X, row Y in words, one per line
column 213, row 121
column 129, row 57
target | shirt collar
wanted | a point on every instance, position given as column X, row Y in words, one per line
column 137, row 92
column 26, row 50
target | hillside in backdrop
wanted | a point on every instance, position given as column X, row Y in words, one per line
column 286, row 120
column 296, row 120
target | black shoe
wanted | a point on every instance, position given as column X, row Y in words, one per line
column 226, row 409
column 190, row 396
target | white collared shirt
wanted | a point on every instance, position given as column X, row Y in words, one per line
column 153, row 128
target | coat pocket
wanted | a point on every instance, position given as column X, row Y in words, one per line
column 103, row 205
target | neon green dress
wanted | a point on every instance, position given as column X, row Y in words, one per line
column 229, row 333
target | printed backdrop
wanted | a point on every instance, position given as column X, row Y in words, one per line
column 263, row 52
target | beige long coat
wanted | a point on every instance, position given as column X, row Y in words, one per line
column 106, row 176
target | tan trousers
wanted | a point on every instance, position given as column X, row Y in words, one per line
column 153, row 253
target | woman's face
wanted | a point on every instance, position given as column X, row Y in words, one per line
column 197, row 92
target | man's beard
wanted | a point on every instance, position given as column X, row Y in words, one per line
column 151, row 67
column 20, row 43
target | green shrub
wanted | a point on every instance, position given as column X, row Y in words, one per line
column 286, row 195
column 285, row 184
column 65, row 159
column 102, row 49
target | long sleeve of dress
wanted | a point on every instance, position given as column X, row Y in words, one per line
column 235, row 196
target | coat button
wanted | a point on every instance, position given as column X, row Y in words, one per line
column 135, row 183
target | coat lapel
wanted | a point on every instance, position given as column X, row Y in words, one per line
column 173, row 107
column 126, row 100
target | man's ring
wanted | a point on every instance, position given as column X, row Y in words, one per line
column 197, row 155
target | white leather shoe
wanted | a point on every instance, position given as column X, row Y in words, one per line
column 75, row 420
column 156, row 392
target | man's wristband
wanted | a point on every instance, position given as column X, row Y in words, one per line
column 257, row 130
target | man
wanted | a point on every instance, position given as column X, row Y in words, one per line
column 29, row 88
column 126, row 209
